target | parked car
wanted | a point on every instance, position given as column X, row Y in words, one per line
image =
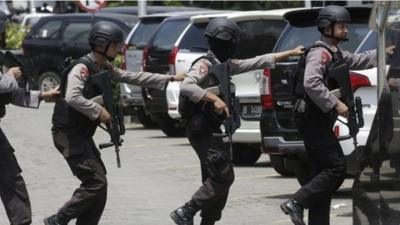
column 279, row 136
column 260, row 31
column 54, row 38
column 131, row 95
column 158, row 56
column 29, row 20
column 133, row 10
column 376, row 185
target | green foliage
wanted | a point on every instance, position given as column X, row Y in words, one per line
column 14, row 35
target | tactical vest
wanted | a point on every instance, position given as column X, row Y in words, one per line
column 65, row 117
column 337, row 66
column 5, row 99
column 187, row 107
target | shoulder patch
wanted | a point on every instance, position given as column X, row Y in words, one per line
column 203, row 69
column 325, row 58
column 84, row 72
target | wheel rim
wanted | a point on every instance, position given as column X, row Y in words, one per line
column 49, row 82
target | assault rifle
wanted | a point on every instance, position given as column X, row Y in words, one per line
column 355, row 120
column 115, row 128
column 10, row 60
column 226, row 91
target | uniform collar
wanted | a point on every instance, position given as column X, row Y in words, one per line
column 329, row 43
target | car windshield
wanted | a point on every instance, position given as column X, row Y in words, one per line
column 258, row 37
column 143, row 33
column 294, row 36
column 168, row 33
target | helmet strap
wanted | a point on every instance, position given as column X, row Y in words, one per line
column 104, row 52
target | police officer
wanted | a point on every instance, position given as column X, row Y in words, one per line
column 76, row 117
column 13, row 190
column 316, row 124
column 216, row 166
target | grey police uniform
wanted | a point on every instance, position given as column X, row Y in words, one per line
column 13, row 190
column 79, row 150
column 316, row 127
column 216, row 166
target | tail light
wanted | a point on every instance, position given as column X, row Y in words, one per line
column 145, row 54
column 358, row 80
column 336, row 130
column 171, row 59
column 123, row 53
column 266, row 91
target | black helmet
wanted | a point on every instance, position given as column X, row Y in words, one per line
column 103, row 34
column 332, row 14
column 223, row 29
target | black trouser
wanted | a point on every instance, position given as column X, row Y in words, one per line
column 216, row 167
column 328, row 163
column 13, row 191
column 88, row 201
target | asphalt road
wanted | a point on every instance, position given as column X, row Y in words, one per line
column 158, row 174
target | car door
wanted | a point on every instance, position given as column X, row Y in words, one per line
column 42, row 43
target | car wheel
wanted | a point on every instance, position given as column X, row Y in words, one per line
column 48, row 80
column 277, row 161
column 245, row 154
column 170, row 127
column 144, row 119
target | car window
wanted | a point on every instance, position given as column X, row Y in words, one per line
column 143, row 33
column 168, row 33
column 307, row 36
column 77, row 32
column 194, row 39
column 258, row 37
column 48, row 30
column 371, row 42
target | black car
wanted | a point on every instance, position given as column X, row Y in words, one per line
column 134, row 10
column 279, row 135
column 54, row 38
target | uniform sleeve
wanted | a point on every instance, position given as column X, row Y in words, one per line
column 361, row 61
column 195, row 76
column 8, row 83
column 258, row 62
column 316, row 63
column 144, row 79
column 74, row 97
column 22, row 98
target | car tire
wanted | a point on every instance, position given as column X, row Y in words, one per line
column 169, row 126
column 245, row 154
column 277, row 162
column 145, row 119
column 48, row 80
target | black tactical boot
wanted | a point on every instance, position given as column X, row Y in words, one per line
column 56, row 219
column 207, row 222
column 294, row 210
column 184, row 215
